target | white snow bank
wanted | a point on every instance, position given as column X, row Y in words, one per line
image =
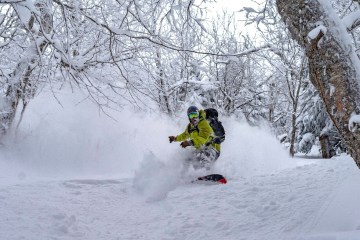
column 340, row 213
column 338, row 218
column 353, row 235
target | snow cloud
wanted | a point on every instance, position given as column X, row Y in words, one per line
column 75, row 141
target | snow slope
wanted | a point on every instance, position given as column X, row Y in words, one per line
column 312, row 201
column 70, row 174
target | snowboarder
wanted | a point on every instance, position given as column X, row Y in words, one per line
column 199, row 135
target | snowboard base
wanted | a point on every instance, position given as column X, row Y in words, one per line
column 213, row 178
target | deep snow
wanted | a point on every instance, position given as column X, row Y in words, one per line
column 73, row 174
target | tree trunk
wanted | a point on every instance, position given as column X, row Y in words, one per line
column 20, row 86
column 163, row 97
column 293, row 133
column 332, row 62
column 325, row 146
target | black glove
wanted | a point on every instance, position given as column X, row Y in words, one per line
column 185, row 144
column 216, row 140
column 172, row 138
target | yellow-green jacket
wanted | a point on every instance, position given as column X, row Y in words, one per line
column 199, row 135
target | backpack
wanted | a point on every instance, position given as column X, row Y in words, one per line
column 219, row 131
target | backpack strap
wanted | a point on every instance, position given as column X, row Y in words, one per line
column 191, row 129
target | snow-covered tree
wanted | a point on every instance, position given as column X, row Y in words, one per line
column 333, row 63
column 314, row 125
column 26, row 30
column 237, row 85
column 289, row 72
column 132, row 48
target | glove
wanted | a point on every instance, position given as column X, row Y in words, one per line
column 185, row 144
column 216, row 140
column 172, row 138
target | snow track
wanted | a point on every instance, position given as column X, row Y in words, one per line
column 291, row 204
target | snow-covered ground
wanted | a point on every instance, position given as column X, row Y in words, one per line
column 72, row 175
column 313, row 201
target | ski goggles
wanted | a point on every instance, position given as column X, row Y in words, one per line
column 193, row 115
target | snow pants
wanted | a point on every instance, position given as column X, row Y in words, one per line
column 204, row 157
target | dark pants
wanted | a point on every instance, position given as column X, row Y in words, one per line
column 204, row 157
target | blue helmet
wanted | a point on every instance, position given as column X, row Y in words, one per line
column 192, row 109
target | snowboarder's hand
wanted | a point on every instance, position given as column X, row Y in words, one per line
column 216, row 140
column 172, row 138
column 185, row 144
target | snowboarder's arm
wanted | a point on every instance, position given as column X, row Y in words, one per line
column 183, row 136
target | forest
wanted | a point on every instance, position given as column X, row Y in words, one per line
column 292, row 66
column 106, row 133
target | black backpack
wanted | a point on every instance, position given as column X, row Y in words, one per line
column 212, row 117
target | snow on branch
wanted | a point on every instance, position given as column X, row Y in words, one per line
column 161, row 42
column 315, row 35
column 354, row 122
column 352, row 20
column 259, row 15
column 180, row 83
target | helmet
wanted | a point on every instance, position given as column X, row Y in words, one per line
column 192, row 109
column 193, row 115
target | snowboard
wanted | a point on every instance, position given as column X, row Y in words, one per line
column 211, row 178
